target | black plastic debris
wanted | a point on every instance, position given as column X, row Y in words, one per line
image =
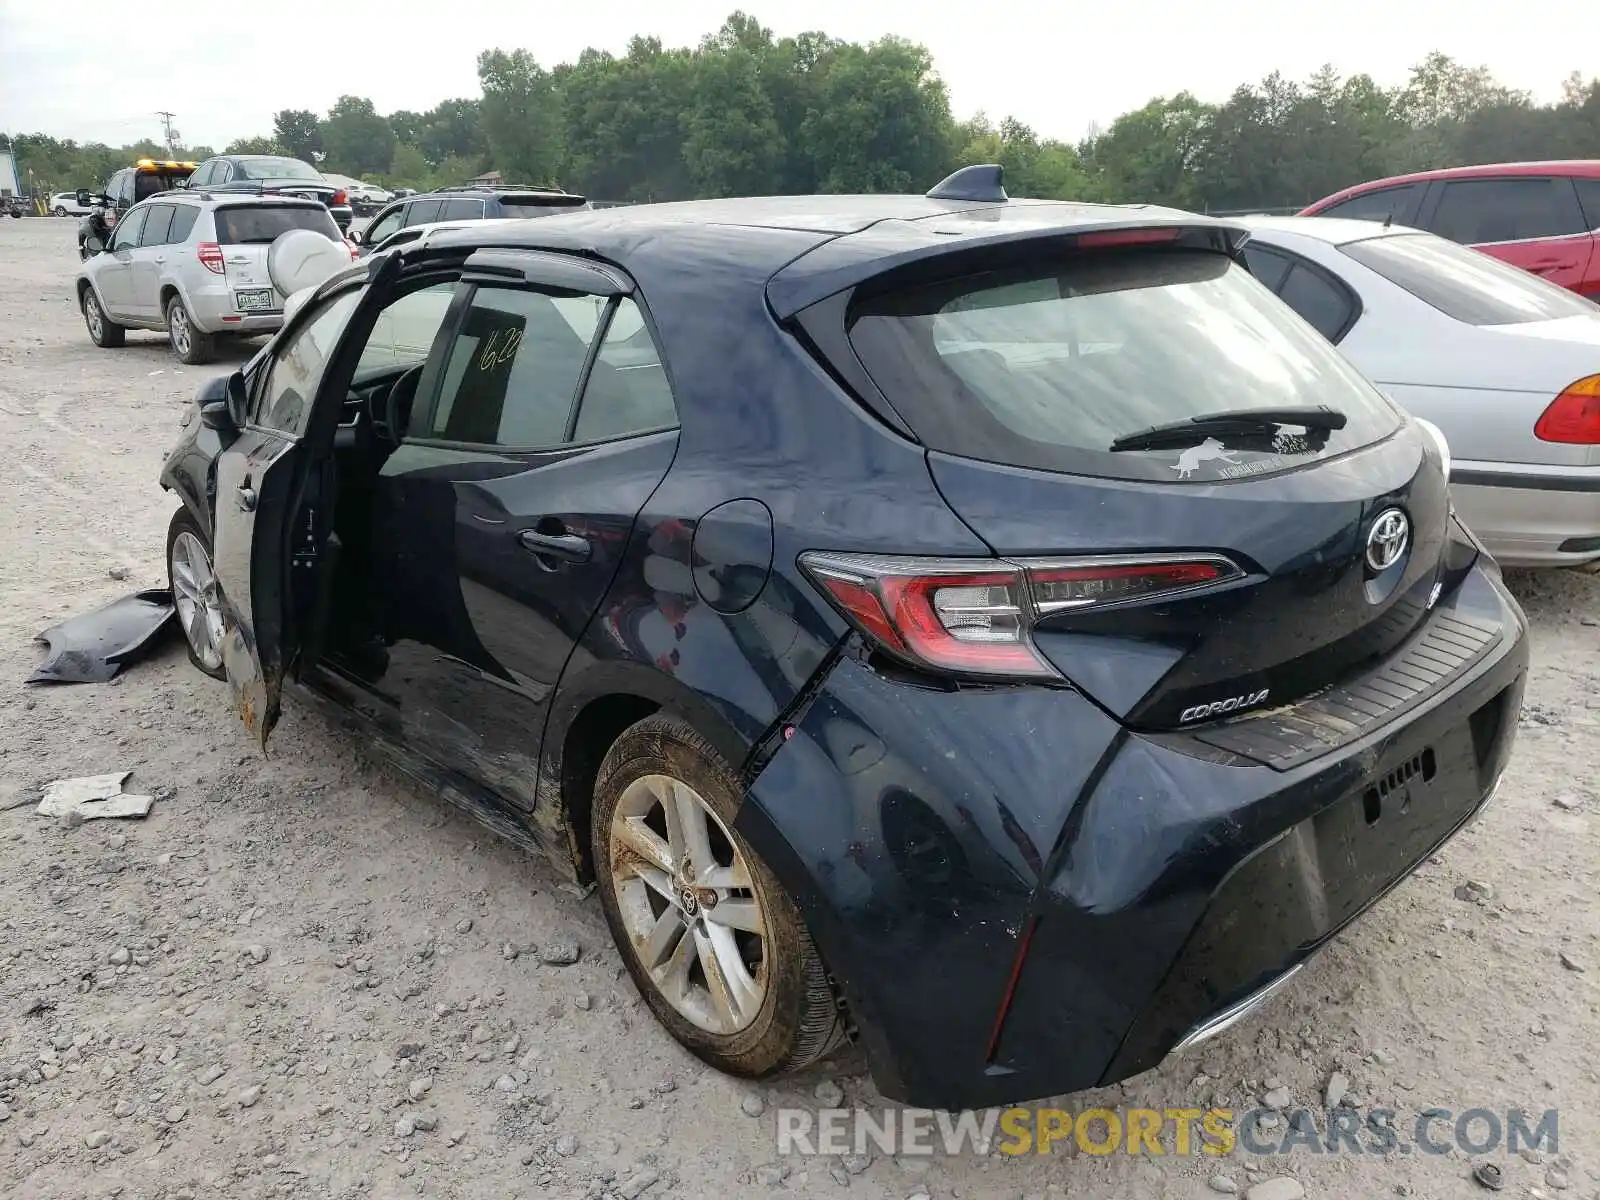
column 1488, row 1175
column 93, row 647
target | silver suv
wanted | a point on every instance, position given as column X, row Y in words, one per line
column 194, row 265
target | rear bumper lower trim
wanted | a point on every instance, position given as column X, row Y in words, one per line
column 1235, row 1013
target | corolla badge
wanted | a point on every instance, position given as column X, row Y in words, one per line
column 1217, row 708
column 1387, row 539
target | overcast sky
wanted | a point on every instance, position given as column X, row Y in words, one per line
column 224, row 68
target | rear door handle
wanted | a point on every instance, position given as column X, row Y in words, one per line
column 246, row 498
column 567, row 546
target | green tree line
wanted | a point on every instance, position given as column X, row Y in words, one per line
column 746, row 112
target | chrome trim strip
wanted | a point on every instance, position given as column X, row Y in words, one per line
column 1234, row 1013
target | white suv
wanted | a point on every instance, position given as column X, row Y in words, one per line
column 193, row 265
column 65, row 204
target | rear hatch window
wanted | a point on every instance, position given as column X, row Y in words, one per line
column 1466, row 284
column 148, row 182
column 278, row 168
column 539, row 206
column 260, row 224
column 1046, row 365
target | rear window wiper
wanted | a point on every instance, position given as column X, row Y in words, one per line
column 1236, row 422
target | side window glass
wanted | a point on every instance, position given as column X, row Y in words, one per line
column 404, row 332
column 420, row 212
column 627, row 392
column 513, row 369
column 1322, row 304
column 204, row 175
column 1266, row 266
column 223, row 173
column 128, row 229
column 1373, row 206
column 462, row 208
column 183, row 219
column 1480, row 211
column 384, row 226
column 157, row 225
column 1589, row 199
column 297, row 367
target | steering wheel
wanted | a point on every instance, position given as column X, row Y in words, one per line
column 396, row 407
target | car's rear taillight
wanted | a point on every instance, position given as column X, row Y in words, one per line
column 210, row 257
column 1574, row 416
column 976, row 616
column 338, row 199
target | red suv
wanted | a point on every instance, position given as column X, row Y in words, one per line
column 1540, row 216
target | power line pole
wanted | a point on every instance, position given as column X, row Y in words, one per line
column 172, row 134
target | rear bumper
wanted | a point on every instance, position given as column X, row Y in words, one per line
column 1129, row 891
column 212, row 309
column 1531, row 516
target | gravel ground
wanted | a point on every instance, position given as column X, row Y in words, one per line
column 303, row 976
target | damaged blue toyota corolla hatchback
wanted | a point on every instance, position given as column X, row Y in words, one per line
column 997, row 631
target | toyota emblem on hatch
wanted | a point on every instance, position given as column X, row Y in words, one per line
column 1387, row 539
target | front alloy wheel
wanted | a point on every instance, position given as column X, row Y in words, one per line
column 103, row 331
column 713, row 942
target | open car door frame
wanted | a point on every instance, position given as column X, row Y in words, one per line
column 270, row 544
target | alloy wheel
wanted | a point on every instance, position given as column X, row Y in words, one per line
column 92, row 317
column 684, row 892
column 194, row 592
column 178, row 329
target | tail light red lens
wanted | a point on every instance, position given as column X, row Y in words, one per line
column 210, row 254
column 1574, row 416
column 976, row 616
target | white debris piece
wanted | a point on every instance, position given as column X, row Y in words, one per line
column 91, row 796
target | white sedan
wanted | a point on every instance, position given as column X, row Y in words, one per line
column 1507, row 365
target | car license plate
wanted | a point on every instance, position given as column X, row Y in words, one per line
column 254, row 301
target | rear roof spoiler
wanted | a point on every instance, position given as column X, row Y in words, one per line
column 848, row 261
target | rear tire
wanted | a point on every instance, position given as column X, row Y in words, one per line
column 750, row 995
column 103, row 331
column 194, row 593
column 192, row 345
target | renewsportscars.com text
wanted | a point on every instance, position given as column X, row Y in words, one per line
column 1161, row 1131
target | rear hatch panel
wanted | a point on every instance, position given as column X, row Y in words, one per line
column 1306, row 612
column 246, row 233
